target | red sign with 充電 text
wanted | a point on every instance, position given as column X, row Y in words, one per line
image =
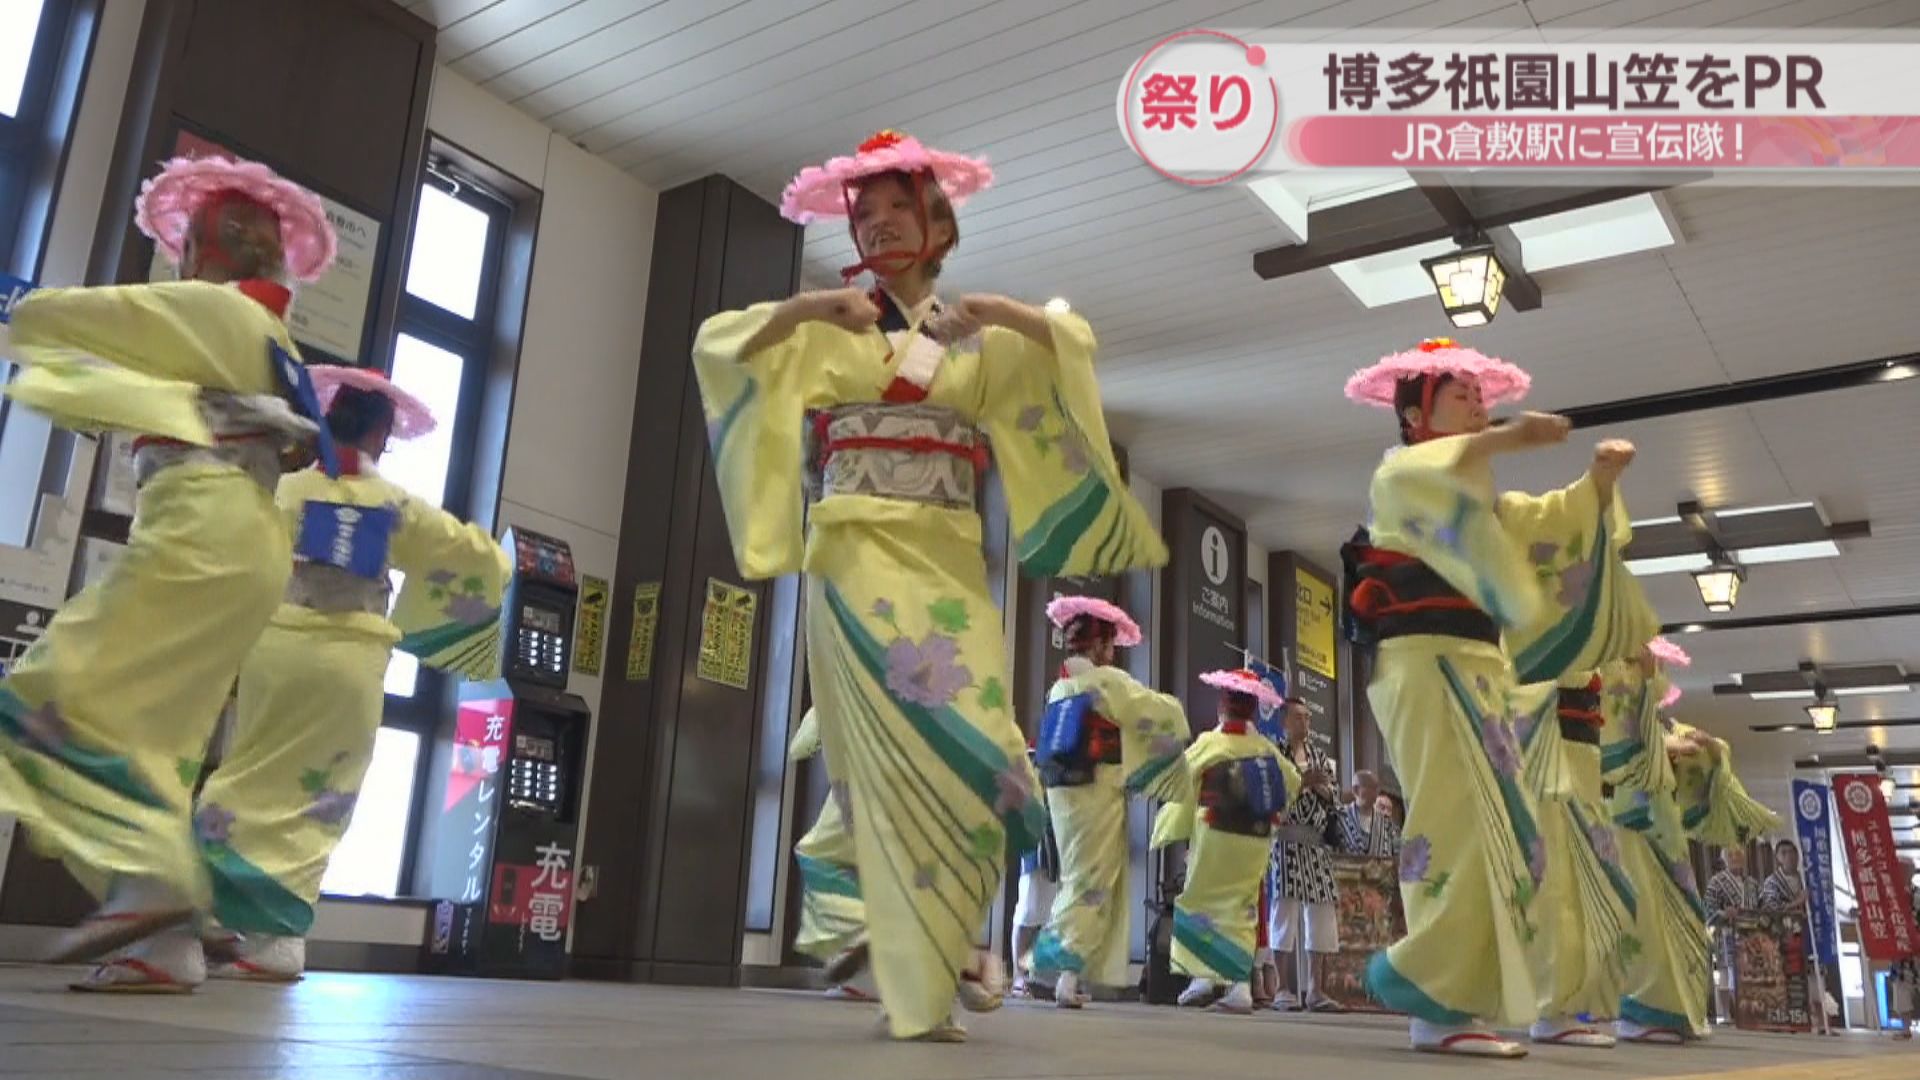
column 1887, row 930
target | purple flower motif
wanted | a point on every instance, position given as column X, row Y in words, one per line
column 1143, row 726
column 1414, row 527
column 1542, row 553
column 1537, row 859
column 467, row 609
column 713, row 430
column 45, row 729
column 1575, row 580
column 1447, row 537
column 923, row 876
column 1416, row 855
column 1165, row 746
column 1482, row 686
column 1523, row 726
column 1642, row 800
column 1016, row 790
column 1605, row 844
column 1202, row 922
column 442, row 578
column 1073, row 454
column 883, row 609
column 213, row 824
column 1031, row 416
column 1503, row 750
column 927, row 674
column 1093, row 898
column 330, row 807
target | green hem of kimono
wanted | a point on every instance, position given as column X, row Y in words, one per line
column 1398, row 993
column 818, row 875
column 247, row 899
column 110, row 771
column 1220, row 955
column 1647, row 1016
column 1051, row 956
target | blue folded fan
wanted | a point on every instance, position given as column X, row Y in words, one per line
column 1265, row 785
column 1063, row 729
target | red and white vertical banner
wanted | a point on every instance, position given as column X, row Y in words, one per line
column 1887, row 930
column 1208, row 107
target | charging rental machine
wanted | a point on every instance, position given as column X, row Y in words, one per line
column 505, row 845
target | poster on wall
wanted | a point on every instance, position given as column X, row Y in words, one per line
column 590, row 626
column 20, row 626
column 1307, row 621
column 1771, row 987
column 1880, row 879
column 726, row 635
column 329, row 314
column 1371, row 918
column 646, row 621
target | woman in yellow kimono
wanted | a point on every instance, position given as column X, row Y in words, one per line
column 1595, row 614
column 1447, row 568
column 104, row 721
column 904, row 647
column 1105, row 736
column 312, row 692
column 833, row 920
column 1670, row 975
column 1239, row 784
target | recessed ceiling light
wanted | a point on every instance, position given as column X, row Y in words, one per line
column 1779, row 553
column 1888, row 688
column 1669, row 564
column 1621, row 227
column 1747, row 511
column 1782, row 695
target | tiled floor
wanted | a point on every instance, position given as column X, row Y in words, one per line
column 395, row 1028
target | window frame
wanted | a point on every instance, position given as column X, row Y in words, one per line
column 25, row 136
column 472, row 340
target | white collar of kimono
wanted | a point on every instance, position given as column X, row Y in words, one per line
column 920, row 358
column 1077, row 666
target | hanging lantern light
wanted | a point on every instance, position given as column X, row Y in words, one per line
column 1469, row 282
column 1719, row 585
column 1824, row 713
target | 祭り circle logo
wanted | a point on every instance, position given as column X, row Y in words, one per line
column 1810, row 805
column 1200, row 108
column 1860, row 797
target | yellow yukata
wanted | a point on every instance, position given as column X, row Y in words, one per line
column 1086, row 933
column 1670, row 975
column 1217, row 911
column 1595, row 613
column 1474, row 855
column 832, row 915
column 904, row 643
column 105, row 721
column 312, row 694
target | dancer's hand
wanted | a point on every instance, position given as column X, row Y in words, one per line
column 1610, row 459
column 1538, row 429
column 849, row 309
column 962, row 319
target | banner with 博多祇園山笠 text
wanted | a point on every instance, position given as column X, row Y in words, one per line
column 1208, row 106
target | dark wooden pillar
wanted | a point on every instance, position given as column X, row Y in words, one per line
column 330, row 94
column 670, row 816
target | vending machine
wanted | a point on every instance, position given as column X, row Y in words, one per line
column 507, row 779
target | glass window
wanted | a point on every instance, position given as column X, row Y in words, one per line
column 449, row 252
column 370, row 857
column 434, row 375
column 19, row 29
